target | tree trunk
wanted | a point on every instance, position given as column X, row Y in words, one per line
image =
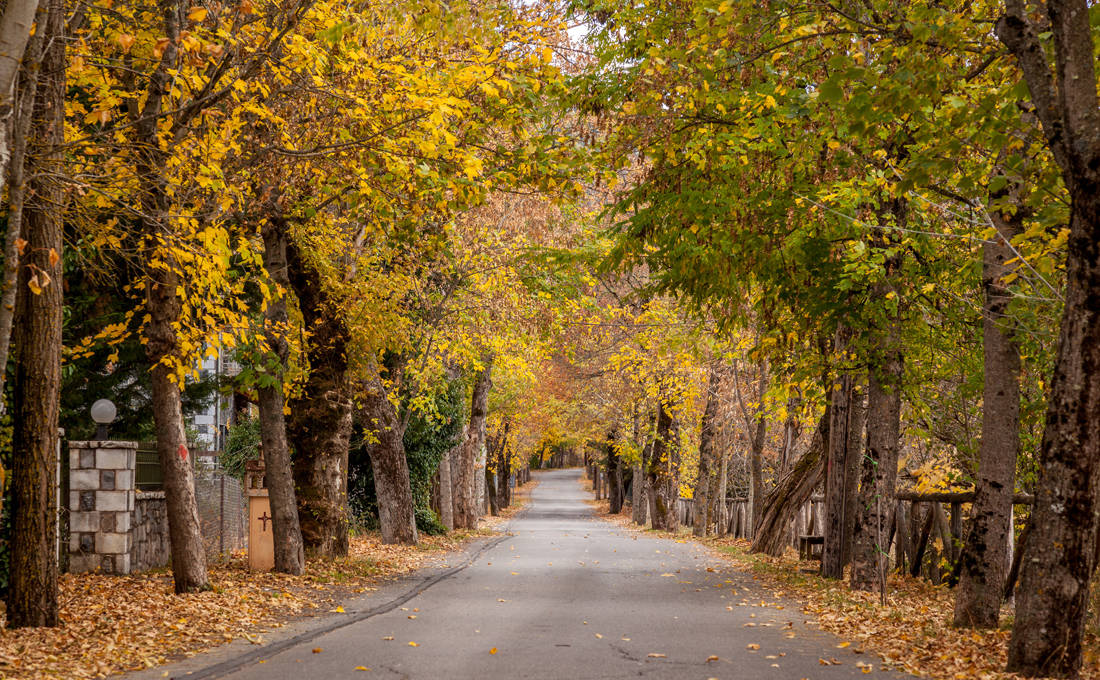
column 671, row 486
column 33, row 592
column 446, row 499
column 875, row 507
column 791, row 493
column 638, row 501
column 704, row 478
column 857, row 419
column 16, row 133
column 163, row 307
column 757, row 453
column 985, row 560
column 466, row 484
column 490, row 491
column 396, row 509
column 756, row 474
column 504, row 477
column 790, row 433
column 723, row 488
column 836, row 489
column 279, row 477
column 657, row 472
column 320, row 420
column 614, row 477
column 1060, row 556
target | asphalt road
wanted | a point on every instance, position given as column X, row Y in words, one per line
column 566, row 595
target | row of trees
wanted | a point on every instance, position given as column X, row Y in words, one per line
column 893, row 200
column 318, row 188
column 847, row 229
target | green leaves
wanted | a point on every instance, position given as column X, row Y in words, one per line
column 830, row 91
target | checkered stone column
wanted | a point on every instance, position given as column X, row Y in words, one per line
column 101, row 505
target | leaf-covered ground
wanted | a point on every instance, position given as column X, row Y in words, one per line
column 912, row 632
column 116, row 623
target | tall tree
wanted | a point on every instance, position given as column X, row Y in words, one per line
column 874, row 512
column 32, row 593
column 1060, row 555
column 467, row 506
column 286, row 532
column 705, row 477
column 614, row 475
column 658, row 471
column 985, row 556
column 15, row 33
column 838, row 493
column 396, row 510
column 321, row 413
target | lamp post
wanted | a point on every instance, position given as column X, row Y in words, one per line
column 103, row 413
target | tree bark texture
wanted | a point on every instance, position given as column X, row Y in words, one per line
column 614, row 475
column 18, row 130
column 671, row 487
column 791, row 493
column 320, row 420
column 33, row 591
column 639, row 502
column 705, row 476
column 857, row 419
column 286, row 532
column 1060, row 556
column 163, row 307
column 756, row 429
column 657, row 468
column 879, row 469
column 723, row 487
column 396, row 508
column 446, row 500
column 836, row 484
column 15, row 32
column 985, row 559
column 467, row 506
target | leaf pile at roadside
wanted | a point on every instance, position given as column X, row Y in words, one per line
column 913, row 632
column 116, row 623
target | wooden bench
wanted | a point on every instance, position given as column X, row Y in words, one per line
column 806, row 547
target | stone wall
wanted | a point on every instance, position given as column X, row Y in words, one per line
column 150, row 547
column 101, row 504
column 115, row 530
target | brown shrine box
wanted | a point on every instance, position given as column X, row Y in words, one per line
column 261, row 546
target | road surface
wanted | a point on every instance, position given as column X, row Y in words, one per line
column 565, row 595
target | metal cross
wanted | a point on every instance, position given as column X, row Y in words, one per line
column 264, row 518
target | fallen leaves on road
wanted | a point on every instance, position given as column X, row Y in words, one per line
column 656, row 655
column 111, row 624
column 912, row 632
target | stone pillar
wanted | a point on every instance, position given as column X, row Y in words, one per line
column 101, row 505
